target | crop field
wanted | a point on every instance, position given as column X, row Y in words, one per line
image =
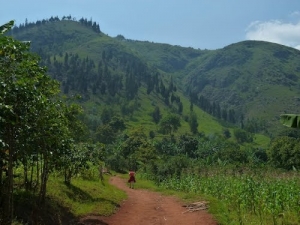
column 252, row 198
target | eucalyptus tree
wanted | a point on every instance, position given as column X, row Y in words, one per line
column 21, row 94
column 32, row 119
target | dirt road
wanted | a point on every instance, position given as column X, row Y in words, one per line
column 145, row 207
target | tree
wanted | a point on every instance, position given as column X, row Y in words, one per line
column 242, row 135
column 137, row 149
column 106, row 115
column 180, row 107
column 105, row 134
column 188, row 145
column 193, row 123
column 226, row 133
column 284, row 152
column 156, row 115
column 170, row 123
column 33, row 122
column 232, row 153
column 117, row 123
column 21, row 95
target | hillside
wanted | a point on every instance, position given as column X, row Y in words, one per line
column 258, row 79
column 111, row 75
column 252, row 81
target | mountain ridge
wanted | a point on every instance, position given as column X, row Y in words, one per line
column 259, row 80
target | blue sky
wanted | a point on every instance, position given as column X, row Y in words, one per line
column 204, row 24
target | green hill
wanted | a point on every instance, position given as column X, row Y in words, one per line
column 260, row 80
column 84, row 60
column 252, row 81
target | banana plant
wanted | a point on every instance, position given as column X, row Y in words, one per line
column 290, row 120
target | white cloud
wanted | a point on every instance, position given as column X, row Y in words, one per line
column 275, row 31
column 295, row 14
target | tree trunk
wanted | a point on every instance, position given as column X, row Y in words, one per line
column 25, row 165
column 44, row 179
column 8, row 187
column 38, row 169
column 1, row 180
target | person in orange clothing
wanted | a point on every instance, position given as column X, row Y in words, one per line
column 131, row 179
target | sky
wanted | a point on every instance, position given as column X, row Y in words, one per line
column 200, row 24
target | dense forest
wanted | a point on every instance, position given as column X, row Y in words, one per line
column 73, row 99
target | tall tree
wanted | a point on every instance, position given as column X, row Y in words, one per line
column 32, row 120
column 156, row 115
column 170, row 123
column 193, row 122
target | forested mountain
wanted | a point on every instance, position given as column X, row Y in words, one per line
column 260, row 80
column 255, row 80
column 247, row 84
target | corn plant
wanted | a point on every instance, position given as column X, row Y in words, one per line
column 269, row 200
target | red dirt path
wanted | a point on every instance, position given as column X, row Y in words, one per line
column 145, row 207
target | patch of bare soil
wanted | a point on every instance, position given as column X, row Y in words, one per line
column 145, row 207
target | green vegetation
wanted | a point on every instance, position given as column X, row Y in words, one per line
column 250, row 198
column 248, row 83
column 66, row 203
column 195, row 121
column 86, row 196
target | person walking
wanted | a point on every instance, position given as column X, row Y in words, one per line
column 131, row 179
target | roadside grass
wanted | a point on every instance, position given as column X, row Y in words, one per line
column 65, row 204
column 84, row 197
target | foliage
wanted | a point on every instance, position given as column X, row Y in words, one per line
column 232, row 154
column 167, row 167
column 138, row 149
column 35, row 125
column 284, row 152
column 105, row 134
column 242, row 135
column 226, row 133
column 24, row 94
column 254, row 198
column 188, row 145
column 193, row 123
column 290, row 120
column 167, row 147
column 156, row 115
column 80, row 158
column 170, row 123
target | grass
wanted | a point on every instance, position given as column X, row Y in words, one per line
column 65, row 203
column 86, row 197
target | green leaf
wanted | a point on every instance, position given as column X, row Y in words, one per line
column 6, row 26
column 290, row 120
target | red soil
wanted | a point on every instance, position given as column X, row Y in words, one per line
column 145, row 207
